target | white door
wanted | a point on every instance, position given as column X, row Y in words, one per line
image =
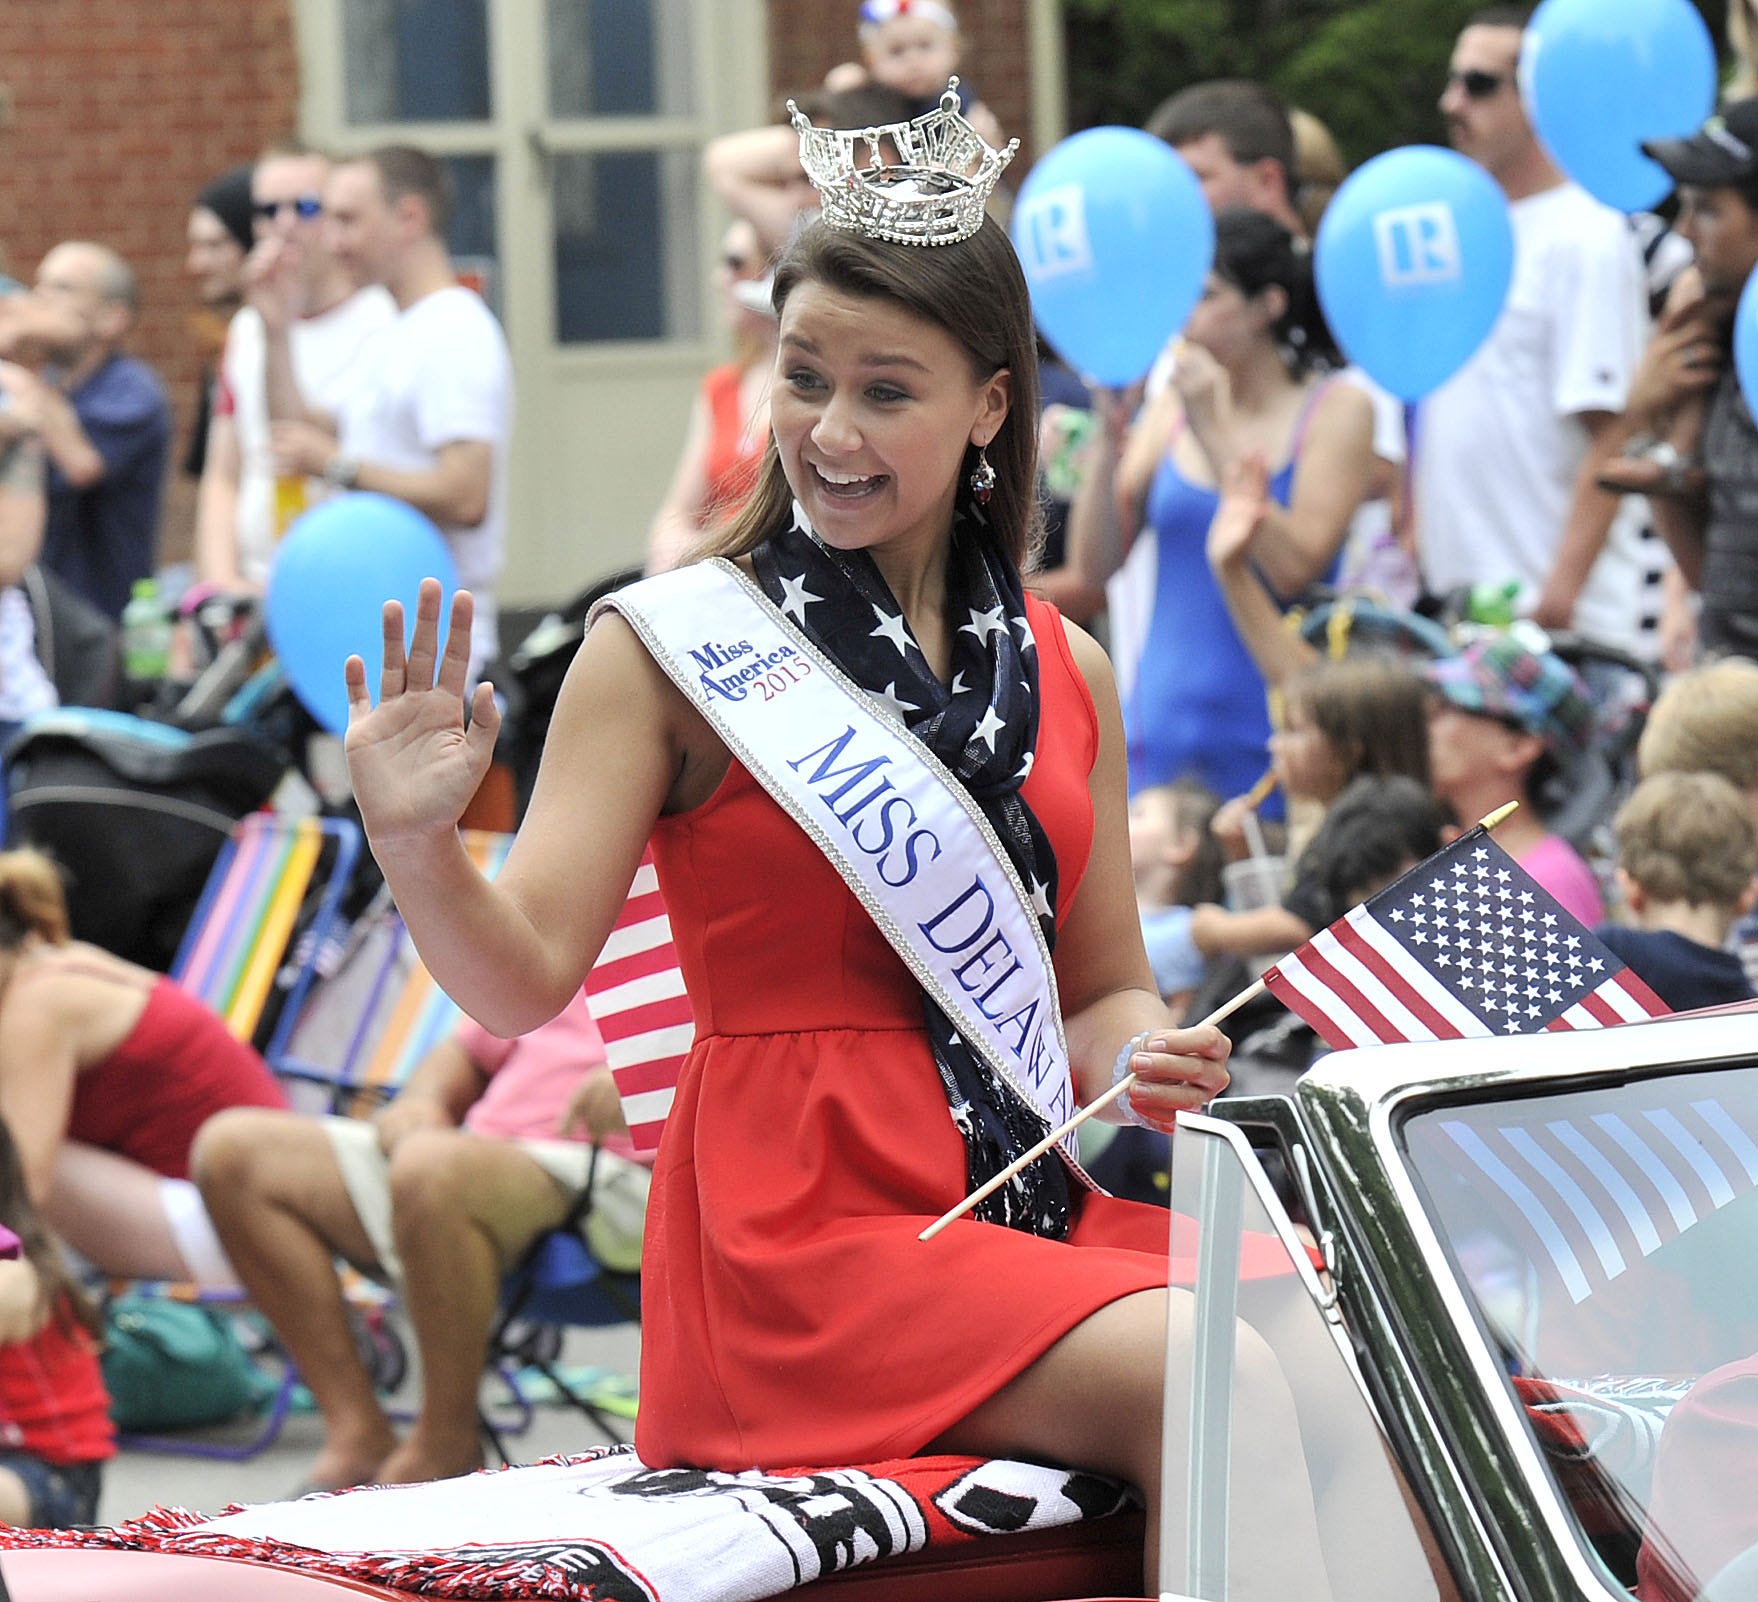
column 574, row 130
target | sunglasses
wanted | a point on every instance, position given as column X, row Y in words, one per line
column 1478, row 85
column 305, row 207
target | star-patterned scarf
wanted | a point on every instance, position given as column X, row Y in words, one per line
column 983, row 726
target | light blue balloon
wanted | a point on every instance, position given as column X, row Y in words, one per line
column 1115, row 237
column 1600, row 76
column 1412, row 261
column 333, row 571
column 1746, row 343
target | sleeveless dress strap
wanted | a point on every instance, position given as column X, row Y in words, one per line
column 1303, row 419
column 1296, row 439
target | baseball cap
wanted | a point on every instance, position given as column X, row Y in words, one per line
column 1498, row 677
column 1723, row 151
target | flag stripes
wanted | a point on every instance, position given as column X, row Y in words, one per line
column 1595, row 1193
column 636, row 993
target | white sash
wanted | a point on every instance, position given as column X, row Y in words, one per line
column 903, row 832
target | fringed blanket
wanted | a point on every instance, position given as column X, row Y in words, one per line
column 603, row 1528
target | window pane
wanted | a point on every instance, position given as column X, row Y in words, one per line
column 472, row 239
column 626, row 246
column 416, row 60
column 620, row 58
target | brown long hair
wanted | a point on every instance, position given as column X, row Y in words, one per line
column 32, row 899
column 1372, row 711
column 975, row 291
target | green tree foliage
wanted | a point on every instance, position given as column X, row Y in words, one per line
column 1370, row 69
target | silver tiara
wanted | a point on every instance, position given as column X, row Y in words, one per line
column 933, row 194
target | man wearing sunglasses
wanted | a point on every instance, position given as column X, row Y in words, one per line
column 428, row 416
column 294, row 285
column 1509, row 448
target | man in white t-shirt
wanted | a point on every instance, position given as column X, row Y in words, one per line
column 240, row 514
column 426, row 415
column 1507, row 450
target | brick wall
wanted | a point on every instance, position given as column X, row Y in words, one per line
column 117, row 113
column 808, row 37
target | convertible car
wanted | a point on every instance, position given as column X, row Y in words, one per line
column 1515, row 1300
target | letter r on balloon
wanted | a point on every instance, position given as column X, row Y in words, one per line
column 1052, row 232
column 1418, row 245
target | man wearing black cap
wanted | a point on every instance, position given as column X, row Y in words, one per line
column 1711, row 526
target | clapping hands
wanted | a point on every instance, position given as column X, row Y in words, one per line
column 1244, row 503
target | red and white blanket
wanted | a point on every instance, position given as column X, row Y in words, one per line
column 603, row 1528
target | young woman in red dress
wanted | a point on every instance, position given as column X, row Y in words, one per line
column 792, row 1315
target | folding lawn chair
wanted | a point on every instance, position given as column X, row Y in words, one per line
column 557, row 1285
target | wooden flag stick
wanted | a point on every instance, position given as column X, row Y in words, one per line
column 1097, row 1105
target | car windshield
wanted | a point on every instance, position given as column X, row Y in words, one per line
column 1609, row 1240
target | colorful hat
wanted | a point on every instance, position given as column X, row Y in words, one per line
column 1498, row 677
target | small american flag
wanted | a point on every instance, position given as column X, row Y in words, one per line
column 1464, row 944
column 636, row 993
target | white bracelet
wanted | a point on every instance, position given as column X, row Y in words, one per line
column 1119, row 1070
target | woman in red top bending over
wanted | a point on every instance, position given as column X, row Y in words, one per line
column 106, row 1072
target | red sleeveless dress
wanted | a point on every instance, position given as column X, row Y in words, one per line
column 790, row 1315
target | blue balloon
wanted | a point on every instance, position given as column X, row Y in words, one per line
column 1746, row 343
column 1115, row 237
column 1413, row 259
column 334, row 570
column 1600, row 76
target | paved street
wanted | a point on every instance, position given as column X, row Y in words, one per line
column 136, row 1481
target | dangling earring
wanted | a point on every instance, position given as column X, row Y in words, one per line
column 982, row 477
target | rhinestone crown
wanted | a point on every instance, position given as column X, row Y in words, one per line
column 933, row 194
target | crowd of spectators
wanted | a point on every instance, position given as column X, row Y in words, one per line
column 1594, row 465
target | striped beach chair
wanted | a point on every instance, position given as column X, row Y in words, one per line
column 261, row 885
column 380, row 1014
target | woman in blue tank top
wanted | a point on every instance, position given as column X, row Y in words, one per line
column 1252, row 375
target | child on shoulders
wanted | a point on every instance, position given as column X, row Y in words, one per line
column 913, row 46
column 1686, row 856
